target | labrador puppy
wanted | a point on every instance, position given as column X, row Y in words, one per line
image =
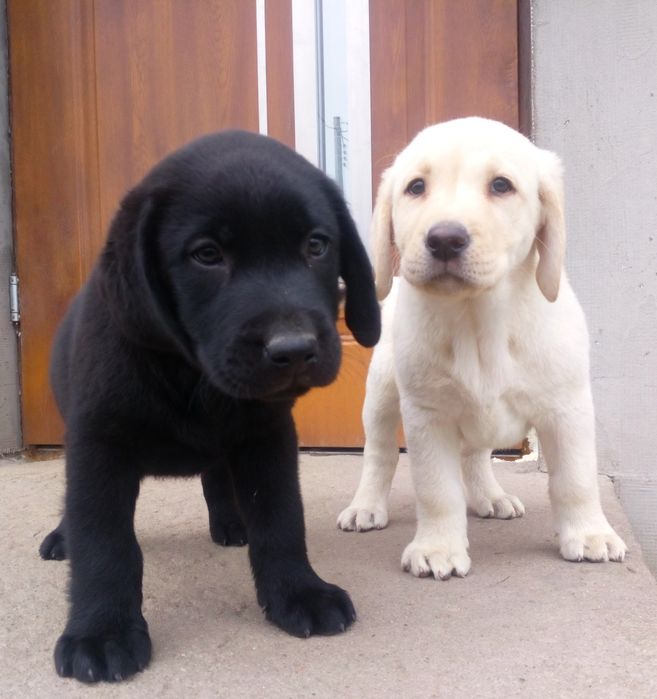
column 483, row 338
column 212, row 307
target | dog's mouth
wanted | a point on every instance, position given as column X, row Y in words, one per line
column 249, row 372
column 259, row 386
column 286, row 394
column 294, row 385
column 448, row 277
column 460, row 277
column 439, row 276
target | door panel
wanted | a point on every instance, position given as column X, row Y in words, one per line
column 433, row 60
column 280, row 75
column 166, row 72
column 430, row 60
column 331, row 416
column 100, row 92
column 55, row 177
column 478, row 39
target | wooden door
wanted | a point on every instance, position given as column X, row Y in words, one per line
column 433, row 60
column 101, row 90
column 55, row 180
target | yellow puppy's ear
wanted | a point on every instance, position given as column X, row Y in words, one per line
column 386, row 257
column 551, row 233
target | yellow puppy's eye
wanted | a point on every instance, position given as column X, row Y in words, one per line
column 501, row 185
column 416, row 187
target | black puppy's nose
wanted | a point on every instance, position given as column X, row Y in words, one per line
column 289, row 349
column 447, row 240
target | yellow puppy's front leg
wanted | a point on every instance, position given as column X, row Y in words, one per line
column 567, row 436
column 440, row 546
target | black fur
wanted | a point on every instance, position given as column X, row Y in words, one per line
column 210, row 310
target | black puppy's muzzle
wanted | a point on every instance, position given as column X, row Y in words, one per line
column 279, row 353
column 290, row 351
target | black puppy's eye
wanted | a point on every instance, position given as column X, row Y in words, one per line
column 416, row 187
column 209, row 255
column 501, row 185
column 316, row 245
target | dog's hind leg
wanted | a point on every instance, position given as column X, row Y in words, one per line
column 486, row 497
column 226, row 525
column 381, row 418
column 53, row 547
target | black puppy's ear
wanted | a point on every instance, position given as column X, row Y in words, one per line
column 138, row 296
column 362, row 312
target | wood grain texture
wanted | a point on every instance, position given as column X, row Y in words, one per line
column 471, row 50
column 331, row 416
column 168, row 71
column 388, row 83
column 525, row 116
column 55, row 169
column 433, row 60
column 280, row 73
column 100, row 92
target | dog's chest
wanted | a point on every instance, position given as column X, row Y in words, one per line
column 494, row 424
column 490, row 404
column 470, row 378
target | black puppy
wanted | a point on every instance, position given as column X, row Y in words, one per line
column 211, row 308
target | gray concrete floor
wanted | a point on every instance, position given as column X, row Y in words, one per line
column 523, row 623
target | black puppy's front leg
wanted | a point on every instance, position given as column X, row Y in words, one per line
column 106, row 637
column 226, row 526
column 291, row 594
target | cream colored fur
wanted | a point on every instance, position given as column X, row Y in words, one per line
column 477, row 350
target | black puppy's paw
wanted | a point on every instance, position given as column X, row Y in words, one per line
column 111, row 656
column 311, row 608
column 53, row 547
column 232, row 533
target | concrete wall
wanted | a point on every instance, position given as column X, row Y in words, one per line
column 10, row 431
column 595, row 103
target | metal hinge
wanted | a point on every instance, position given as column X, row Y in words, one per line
column 14, row 305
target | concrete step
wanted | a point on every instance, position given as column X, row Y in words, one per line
column 523, row 623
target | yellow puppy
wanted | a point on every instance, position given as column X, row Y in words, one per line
column 482, row 339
